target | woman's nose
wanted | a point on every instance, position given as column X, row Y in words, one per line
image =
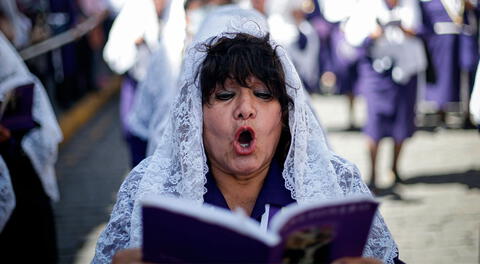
column 246, row 108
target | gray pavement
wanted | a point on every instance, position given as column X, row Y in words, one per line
column 90, row 169
column 434, row 216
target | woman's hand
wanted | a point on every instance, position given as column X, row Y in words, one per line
column 349, row 260
column 128, row 256
column 4, row 134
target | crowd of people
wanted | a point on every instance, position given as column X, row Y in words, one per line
column 216, row 93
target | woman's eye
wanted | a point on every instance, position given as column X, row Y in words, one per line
column 266, row 95
column 224, row 96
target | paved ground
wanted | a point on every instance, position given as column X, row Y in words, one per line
column 90, row 170
column 434, row 217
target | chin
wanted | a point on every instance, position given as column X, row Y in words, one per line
column 247, row 167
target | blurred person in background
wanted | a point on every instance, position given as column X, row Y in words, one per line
column 90, row 47
column 290, row 28
column 19, row 27
column 29, row 136
column 451, row 36
column 343, row 56
column 69, row 86
column 155, row 93
column 197, row 10
column 133, row 39
column 475, row 100
column 392, row 56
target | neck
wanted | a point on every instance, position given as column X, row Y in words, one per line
column 240, row 190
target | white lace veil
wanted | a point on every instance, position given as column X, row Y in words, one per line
column 137, row 19
column 178, row 167
column 7, row 197
column 40, row 144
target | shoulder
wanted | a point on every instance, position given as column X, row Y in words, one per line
column 116, row 234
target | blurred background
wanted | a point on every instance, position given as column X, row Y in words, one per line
column 430, row 191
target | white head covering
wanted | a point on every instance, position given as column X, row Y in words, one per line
column 7, row 197
column 179, row 165
column 40, row 144
column 156, row 92
column 137, row 19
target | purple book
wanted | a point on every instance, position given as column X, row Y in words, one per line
column 178, row 231
column 18, row 112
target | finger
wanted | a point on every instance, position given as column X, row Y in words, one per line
column 125, row 256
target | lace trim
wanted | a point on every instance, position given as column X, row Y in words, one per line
column 7, row 197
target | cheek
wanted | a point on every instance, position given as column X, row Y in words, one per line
column 214, row 128
column 274, row 125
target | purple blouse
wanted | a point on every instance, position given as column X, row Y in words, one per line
column 273, row 192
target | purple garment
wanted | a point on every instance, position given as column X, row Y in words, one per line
column 19, row 117
column 273, row 192
column 390, row 106
column 136, row 145
column 343, row 64
column 127, row 95
column 324, row 30
column 449, row 52
column 445, row 59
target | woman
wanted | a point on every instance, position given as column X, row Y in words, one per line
column 236, row 127
column 29, row 136
column 134, row 37
column 451, row 35
column 157, row 90
column 384, row 31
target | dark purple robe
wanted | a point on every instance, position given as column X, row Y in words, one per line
column 390, row 106
column 136, row 145
column 449, row 54
column 332, row 56
column 344, row 65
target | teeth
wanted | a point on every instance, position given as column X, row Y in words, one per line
column 244, row 145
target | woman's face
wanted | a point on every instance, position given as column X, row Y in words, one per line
column 241, row 127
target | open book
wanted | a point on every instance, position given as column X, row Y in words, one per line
column 178, row 231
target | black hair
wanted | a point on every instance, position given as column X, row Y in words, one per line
column 239, row 58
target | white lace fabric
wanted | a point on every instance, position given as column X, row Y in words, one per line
column 7, row 196
column 178, row 167
column 40, row 143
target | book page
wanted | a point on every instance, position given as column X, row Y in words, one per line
column 323, row 232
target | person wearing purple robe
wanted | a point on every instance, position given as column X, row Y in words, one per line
column 342, row 56
column 384, row 30
column 451, row 35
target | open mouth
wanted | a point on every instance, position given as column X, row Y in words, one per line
column 244, row 140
